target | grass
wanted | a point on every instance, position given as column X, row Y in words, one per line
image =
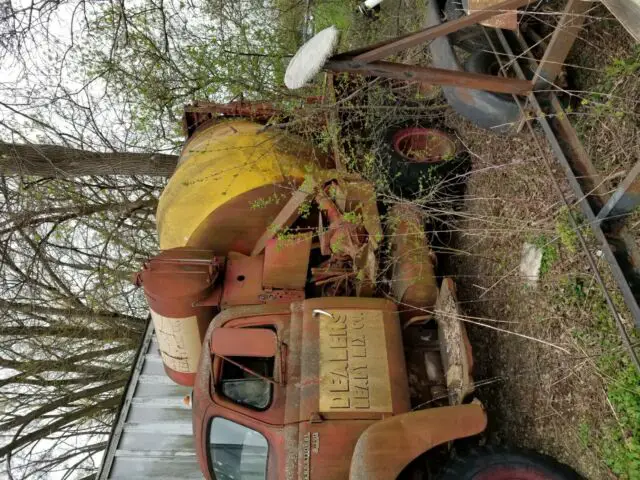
column 566, row 233
column 619, row 70
column 606, row 116
column 608, row 124
column 566, row 236
column 333, row 12
column 549, row 252
column 619, row 438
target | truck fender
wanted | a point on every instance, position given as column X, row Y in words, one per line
column 388, row 446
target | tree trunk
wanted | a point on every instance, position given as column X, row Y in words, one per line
column 58, row 161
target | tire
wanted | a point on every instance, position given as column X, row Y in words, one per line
column 481, row 62
column 487, row 63
column 491, row 463
column 409, row 179
column 454, row 9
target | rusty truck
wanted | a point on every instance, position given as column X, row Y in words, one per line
column 309, row 320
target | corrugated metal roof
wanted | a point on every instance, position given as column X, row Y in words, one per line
column 152, row 437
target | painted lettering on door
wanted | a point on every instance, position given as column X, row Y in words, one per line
column 354, row 373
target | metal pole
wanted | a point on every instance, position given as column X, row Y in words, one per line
column 625, row 199
column 384, row 49
column 586, row 208
column 435, row 76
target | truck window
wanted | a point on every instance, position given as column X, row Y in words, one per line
column 236, row 452
column 245, row 388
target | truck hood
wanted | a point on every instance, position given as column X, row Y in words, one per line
column 346, row 371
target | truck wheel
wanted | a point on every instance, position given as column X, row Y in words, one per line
column 506, row 464
column 419, row 157
column 486, row 63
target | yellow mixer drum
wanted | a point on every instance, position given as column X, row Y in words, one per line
column 231, row 181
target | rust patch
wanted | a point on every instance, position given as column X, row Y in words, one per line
column 507, row 20
column 387, row 446
column 286, row 262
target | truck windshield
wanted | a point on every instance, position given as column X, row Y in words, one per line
column 236, row 452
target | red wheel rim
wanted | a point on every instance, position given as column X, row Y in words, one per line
column 423, row 145
column 511, row 473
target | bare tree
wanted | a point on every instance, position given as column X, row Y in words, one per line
column 90, row 101
column 59, row 161
column 70, row 318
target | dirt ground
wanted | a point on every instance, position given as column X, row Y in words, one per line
column 551, row 397
column 537, row 395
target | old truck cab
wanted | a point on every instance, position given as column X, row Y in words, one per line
column 313, row 329
column 293, row 391
column 275, row 273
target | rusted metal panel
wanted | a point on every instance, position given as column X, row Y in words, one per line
column 243, row 284
column 152, row 436
column 286, row 262
column 242, row 280
column 507, row 20
column 244, row 342
column 387, row 446
column 325, row 449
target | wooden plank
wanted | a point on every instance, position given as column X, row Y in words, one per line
column 562, row 40
column 628, row 14
column 507, row 20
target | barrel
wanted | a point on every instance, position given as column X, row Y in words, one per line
column 179, row 284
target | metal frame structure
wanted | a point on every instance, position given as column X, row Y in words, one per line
column 151, row 437
column 607, row 226
column 606, row 214
column 368, row 60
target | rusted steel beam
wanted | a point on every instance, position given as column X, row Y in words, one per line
column 384, row 49
column 562, row 40
column 435, row 76
column 619, row 252
column 625, row 199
